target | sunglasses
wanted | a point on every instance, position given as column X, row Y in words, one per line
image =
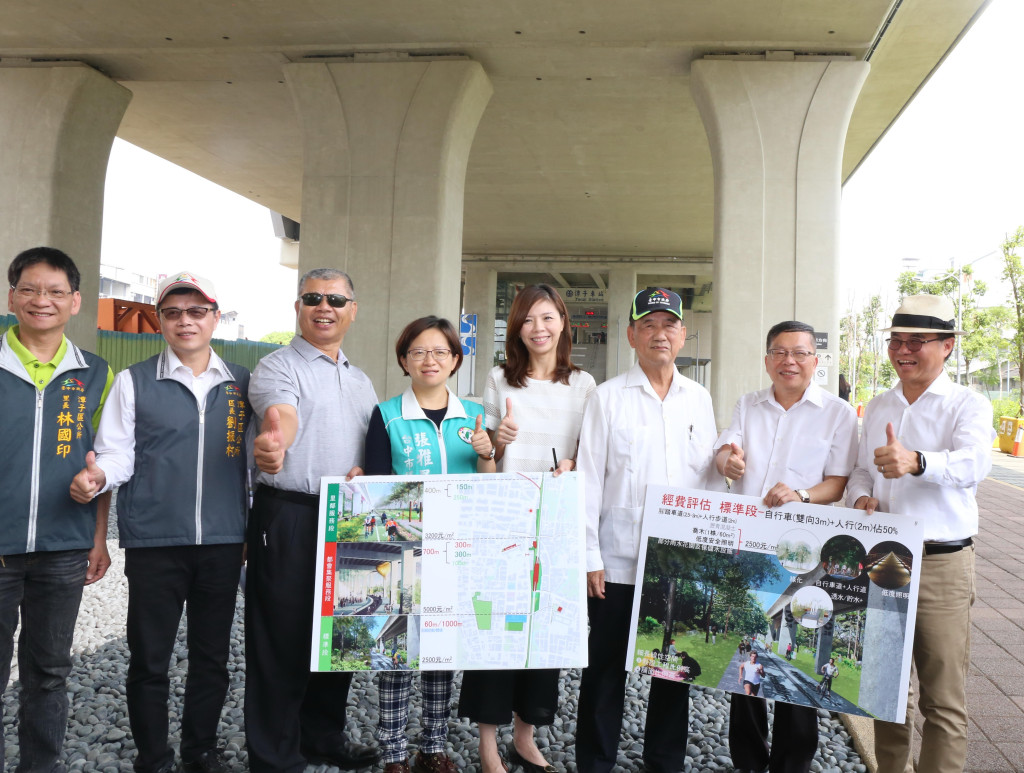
column 333, row 299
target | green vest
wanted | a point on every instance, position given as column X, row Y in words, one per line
column 418, row 447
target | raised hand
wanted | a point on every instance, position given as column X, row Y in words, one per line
column 734, row 465
column 89, row 481
column 892, row 459
column 508, row 429
column 268, row 448
column 481, row 440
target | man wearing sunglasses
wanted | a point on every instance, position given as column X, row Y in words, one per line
column 925, row 445
column 314, row 406
column 173, row 438
column 791, row 442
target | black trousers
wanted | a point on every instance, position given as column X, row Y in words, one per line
column 287, row 708
column 161, row 581
column 490, row 697
column 794, row 739
column 603, row 690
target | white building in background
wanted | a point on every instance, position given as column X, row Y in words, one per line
column 126, row 285
column 230, row 328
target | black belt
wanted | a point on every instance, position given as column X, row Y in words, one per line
column 931, row 548
column 297, row 497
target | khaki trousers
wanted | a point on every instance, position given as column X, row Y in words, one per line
column 942, row 649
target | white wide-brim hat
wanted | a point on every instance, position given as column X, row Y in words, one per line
column 925, row 314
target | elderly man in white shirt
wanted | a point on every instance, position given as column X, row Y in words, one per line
column 925, row 446
column 787, row 443
column 649, row 425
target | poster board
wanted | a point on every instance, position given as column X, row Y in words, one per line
column 450, row 572
column 721, row 576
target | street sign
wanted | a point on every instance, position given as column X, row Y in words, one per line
column 821, row 340
column 825, row 358
column 821, row 374
column 467, row 334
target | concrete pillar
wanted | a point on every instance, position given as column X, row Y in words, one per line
column 57, row 123
column 881, row 683
column 776, row 127
column 824, row 652
column 481, row 296
column 787, row 632
column 386, row 142
column 621, row 289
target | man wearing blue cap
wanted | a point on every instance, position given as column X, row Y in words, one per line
column 649, row 425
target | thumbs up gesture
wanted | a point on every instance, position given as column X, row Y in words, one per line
column 734, row 465
column 89, row 481
column 268, row 448
column 481, row 440
column 892, row 459
column 508, row 429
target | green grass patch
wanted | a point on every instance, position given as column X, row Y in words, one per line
column 713, row 658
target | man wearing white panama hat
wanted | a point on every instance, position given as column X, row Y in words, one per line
column 925, row 446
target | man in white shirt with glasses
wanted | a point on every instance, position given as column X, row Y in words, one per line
column 925, row 445
column 791, row 442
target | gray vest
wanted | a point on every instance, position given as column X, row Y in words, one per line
column 189, row 484
column 45, row 437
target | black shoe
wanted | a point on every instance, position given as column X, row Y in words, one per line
column 211, row 761
column 345, row 755
column 515, row 758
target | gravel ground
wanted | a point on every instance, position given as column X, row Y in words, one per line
column 99, row 738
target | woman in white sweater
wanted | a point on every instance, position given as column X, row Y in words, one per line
column 533, row 405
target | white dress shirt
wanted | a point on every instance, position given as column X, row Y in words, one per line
column 952, row 427
column 115, row 441
column 631, row 438
column 815, row 438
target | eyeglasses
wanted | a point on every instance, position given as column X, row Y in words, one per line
column 333, row 299
column 418, row 355
column 25, row 293
column 173, row 313
column 912, row 344
column 798, row 355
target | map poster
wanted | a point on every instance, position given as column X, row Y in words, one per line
column 806, row 604
column 450, row 572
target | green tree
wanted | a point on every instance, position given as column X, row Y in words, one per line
column 873, row 317
column 283, row 337
column 1013, row 272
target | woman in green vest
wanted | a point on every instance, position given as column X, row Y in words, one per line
column 426, row 430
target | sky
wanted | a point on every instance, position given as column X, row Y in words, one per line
column 161, row 219
column 947, row 180
column 945, row 183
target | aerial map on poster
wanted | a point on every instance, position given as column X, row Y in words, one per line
column 806, row 604
column 450, row 572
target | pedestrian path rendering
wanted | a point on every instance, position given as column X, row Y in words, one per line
column 785, row 682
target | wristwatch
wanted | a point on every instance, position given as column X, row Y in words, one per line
column 805, row 497
column 921, row 464
column 488, row 457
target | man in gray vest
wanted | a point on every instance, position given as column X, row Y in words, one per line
column 173, row 438
column 52, row 394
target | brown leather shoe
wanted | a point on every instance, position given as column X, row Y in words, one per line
column 397, row 767
column 433, row 762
